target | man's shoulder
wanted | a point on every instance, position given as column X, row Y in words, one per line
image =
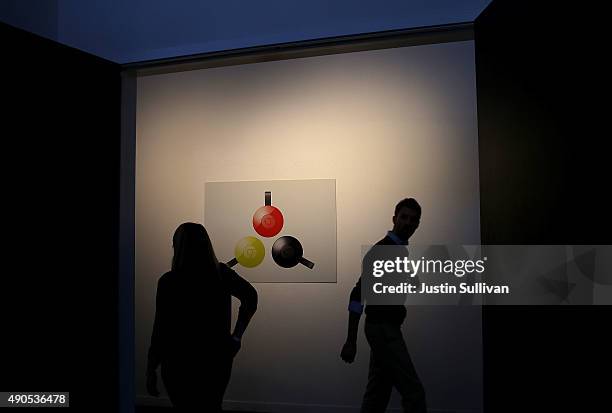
column 386, row 241
column 373, row 250
column 383, row 242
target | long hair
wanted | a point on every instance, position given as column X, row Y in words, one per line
column 193, row 251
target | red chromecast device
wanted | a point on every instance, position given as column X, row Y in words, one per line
column 268, row 220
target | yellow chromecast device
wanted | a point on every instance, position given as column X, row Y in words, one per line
column 249, row 252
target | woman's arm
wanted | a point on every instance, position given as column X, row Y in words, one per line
column 154, row 355
column 246, row 293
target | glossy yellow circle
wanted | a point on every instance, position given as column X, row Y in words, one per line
column 249, row 252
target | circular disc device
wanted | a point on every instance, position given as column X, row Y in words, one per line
column 287, row 252
column 268, row 220
column 249, row 252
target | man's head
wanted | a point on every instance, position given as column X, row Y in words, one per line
column 406, row 218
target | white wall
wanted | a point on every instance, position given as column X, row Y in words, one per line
column 385, row 124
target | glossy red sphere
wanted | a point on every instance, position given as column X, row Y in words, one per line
column 268, row 221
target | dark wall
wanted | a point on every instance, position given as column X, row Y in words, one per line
column 35, row 16
column 543, row 170
column 60, row 145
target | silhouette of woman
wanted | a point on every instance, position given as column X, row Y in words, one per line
column 191, row 333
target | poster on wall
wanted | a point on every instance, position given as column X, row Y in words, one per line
column 274, row 231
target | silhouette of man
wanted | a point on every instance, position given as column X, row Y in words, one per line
column 390, row 363
column 191, row 333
